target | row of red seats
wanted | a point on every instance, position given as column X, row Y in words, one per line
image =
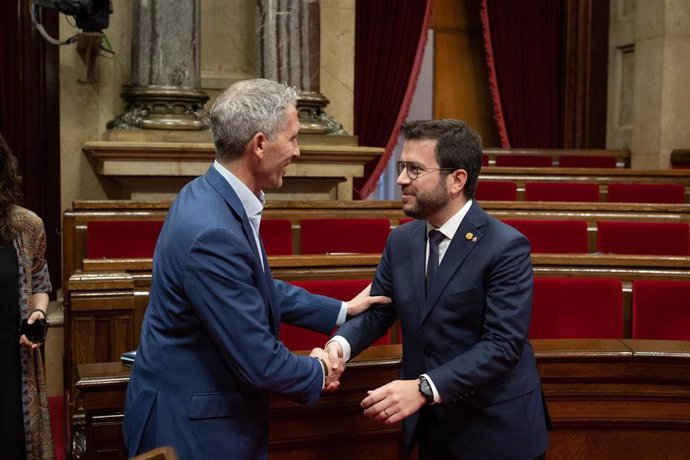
column 593, row 308
column 582, row 192
column 613, row 237
column 546, row 161
column 323, row 236
column 563, row 308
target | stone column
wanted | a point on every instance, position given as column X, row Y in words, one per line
column 661, row 91
column 165, row 88
column 289, row 51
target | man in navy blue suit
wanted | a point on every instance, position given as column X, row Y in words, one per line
column 209, row 353
column 461, row 285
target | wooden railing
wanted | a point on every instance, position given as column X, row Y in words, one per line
column 607, row 399
column 622, row 156
column 601, row 176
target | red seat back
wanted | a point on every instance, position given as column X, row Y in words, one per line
column 121, row 239
column 644, row 238
column 323, row 236
column 586, row 161
column 496, row 191
column 577, row 308
column 647, row 193
column 297, row 338
column 661, row 310
column 276, row 235
column 561, row 191
column 554, row 236
column 525, row 161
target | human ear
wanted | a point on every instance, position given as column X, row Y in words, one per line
column 258, row 144
column 459, row 178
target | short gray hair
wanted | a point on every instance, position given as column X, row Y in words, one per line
column 246, row 108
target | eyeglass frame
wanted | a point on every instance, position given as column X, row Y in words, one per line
column 405, row 165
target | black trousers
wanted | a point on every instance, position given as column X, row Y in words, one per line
column 431, row 442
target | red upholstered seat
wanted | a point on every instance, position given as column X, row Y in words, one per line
column 586, row 161
column 647, row 193
column 405, row 220
column 526, row 161
column 276, row 235
column 574, row 308
column 561, row 191
column 554, row 236
column 661, row 310
column 485, row 160
column 121, row 240
column 323, row 236
column 496, row 191
column 644, row 238
column 297, row 338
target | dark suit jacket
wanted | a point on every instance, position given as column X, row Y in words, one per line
column 469, row 335
column 209, row 355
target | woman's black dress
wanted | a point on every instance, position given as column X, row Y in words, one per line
column 11, row 419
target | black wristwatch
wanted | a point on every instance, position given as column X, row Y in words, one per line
column 425, row 390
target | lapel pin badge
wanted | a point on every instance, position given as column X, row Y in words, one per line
column 470, row 237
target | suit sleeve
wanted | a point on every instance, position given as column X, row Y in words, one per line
column 301, row 308
column 508, row 309
column 364, row 329
column 220, row 281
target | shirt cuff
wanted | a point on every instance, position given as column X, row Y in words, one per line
column 437, row 395
column 342, row 315
column 347, row 349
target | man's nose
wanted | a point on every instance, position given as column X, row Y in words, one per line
column 403, row 178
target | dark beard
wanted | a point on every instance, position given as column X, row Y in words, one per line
column 429, row 203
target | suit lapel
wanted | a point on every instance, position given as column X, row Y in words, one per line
column 417, row 247
column 465, row 240
column 267, row 290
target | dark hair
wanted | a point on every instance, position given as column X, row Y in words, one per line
column 457, row 146
column 10, row 191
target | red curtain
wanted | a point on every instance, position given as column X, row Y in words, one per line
column 389, row 42
column 29, row 116
column 524, row 48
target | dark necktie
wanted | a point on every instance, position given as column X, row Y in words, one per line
column 435, row 238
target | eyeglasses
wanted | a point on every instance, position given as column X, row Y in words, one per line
column 414, row 170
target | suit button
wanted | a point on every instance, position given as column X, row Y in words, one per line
column 427, row 353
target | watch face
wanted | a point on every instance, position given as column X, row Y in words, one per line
column 425, row 389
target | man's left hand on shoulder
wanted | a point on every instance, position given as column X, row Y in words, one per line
column 364, row 300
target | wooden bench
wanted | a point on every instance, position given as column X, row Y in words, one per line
column 355, row 266
column 109, row 298
column 75, row 220
column 607, row 399
column 622, row 157
column 601, row 176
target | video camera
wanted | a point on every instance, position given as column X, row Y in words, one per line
column 91, row 15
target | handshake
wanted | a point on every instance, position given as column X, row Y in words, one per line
column 333, row 364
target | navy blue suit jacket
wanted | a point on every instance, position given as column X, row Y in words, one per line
column 209, row 353
column 469, row 334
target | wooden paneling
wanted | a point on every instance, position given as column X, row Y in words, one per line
column 607, row 399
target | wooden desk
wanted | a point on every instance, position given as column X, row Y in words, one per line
column 335, row 429
column 607, row 398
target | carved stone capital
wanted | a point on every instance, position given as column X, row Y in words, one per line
column 162, row 107
column 313, row 118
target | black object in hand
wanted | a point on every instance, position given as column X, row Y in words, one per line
column 35, row 332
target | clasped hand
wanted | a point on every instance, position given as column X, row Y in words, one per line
column 335, row 365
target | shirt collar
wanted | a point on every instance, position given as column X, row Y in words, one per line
column 451, row 226
column 253, row 205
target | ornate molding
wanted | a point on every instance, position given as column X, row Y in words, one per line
column 162, row 107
